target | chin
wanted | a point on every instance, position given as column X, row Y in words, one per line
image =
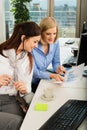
column 50, row 42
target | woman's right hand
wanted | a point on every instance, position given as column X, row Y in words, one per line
column 4, row 79
column 57, row 77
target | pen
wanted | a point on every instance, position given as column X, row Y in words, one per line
column 12, row 81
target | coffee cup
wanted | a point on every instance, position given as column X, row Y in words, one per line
column 75, row 52
column 48, row 93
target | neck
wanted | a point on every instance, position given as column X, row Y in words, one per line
column 43, row 43
column 20, row 49
column 45, row 47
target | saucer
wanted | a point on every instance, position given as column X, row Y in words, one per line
column 46, row 99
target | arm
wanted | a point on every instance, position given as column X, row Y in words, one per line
column 42, row 61
column 56, row 60
column 56, row 56
column 23, row 84
column 48, row 75
column 41, row 74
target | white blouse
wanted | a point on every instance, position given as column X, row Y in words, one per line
column 17, row 66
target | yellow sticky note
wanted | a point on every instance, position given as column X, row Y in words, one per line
column 41, row 107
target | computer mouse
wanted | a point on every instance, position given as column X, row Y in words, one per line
column 85, row 73
column 73, row 63
column 67, row 65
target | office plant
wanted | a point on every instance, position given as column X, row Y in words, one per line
column 20, row 10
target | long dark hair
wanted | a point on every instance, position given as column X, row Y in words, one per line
column 29, row 29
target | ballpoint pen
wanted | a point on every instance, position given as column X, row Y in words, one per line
column 12, row 81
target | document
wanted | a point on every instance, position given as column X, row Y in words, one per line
column 75, row 73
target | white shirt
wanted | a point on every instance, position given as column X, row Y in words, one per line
column 16, row 66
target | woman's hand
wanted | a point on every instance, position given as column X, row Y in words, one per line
column 4, row 80
column 61, row 70
column 20, row 86
column 57, row 77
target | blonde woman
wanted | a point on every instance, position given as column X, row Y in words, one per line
column 48, row 51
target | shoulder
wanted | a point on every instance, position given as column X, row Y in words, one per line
column 3, row 59
column 9, row 52
column 37, row 50
column 57, row 42
column 55, row 45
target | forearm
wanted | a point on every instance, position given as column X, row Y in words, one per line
column 41, row 74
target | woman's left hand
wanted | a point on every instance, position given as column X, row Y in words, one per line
column 20, row 86
column 61, row 70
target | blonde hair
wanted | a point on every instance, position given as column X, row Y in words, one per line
column 47, row 23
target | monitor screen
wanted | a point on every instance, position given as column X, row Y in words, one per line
column 82, row 52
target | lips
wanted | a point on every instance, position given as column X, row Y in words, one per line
column 50, row 40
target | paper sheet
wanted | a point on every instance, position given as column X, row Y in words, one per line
column 74, row 73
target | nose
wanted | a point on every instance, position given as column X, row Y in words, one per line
column 51, row 36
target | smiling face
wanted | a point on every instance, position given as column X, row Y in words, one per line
column 28, row 44
column 49, row 35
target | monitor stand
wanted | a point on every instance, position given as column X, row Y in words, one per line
column 85, row 71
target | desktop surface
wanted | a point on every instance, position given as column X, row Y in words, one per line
column 62, row 93
column 68, row 117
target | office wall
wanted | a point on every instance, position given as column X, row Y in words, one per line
column 2, row 21
column 81, row 15
column 83, row 12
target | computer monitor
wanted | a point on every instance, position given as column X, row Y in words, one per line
column 82, row 52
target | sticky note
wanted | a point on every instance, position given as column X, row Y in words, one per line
column 41, row 107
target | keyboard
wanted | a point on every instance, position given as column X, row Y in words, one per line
column 68, row 117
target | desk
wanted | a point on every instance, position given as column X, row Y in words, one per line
column 65, row 50
column 72, row 90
